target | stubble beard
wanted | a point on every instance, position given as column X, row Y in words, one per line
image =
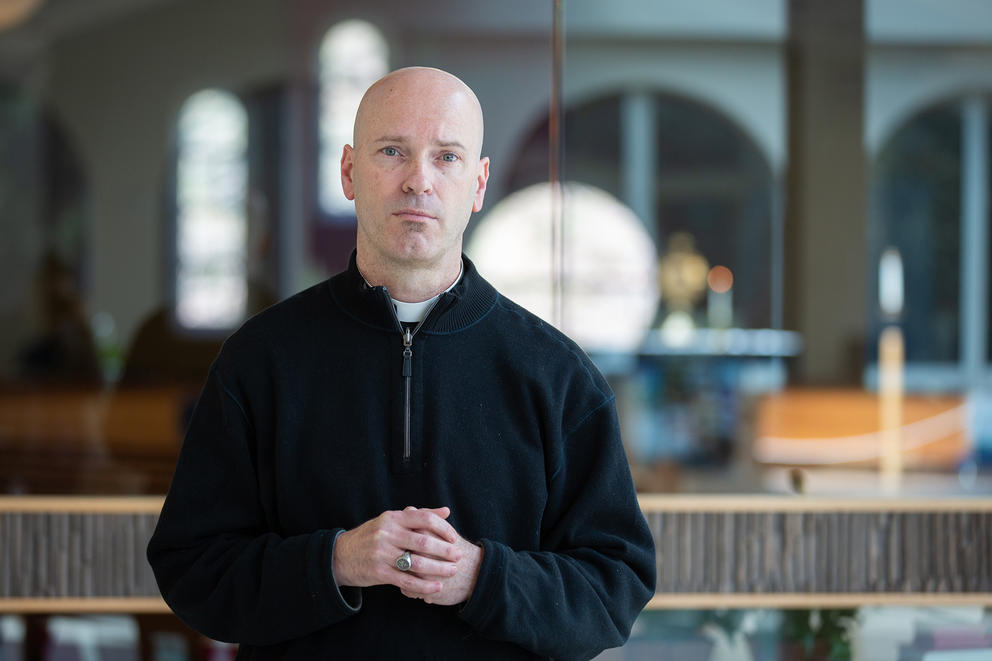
column 417, row 245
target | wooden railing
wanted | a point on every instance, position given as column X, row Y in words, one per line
column 77, row 554
column 815, row 551
column 87, row 554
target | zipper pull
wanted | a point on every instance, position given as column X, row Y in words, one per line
column 407, row 353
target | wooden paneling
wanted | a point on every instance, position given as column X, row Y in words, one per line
column 87, row 554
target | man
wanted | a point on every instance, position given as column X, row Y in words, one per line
column 399, row 462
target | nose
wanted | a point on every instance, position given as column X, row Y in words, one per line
column 417, row 181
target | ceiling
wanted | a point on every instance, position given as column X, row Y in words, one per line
column 56, row 19
column 59, row 17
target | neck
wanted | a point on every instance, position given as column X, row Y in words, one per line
column 411, row 282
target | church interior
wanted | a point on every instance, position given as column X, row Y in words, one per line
column 769, row 224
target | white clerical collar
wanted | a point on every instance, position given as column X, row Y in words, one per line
column 414, row 313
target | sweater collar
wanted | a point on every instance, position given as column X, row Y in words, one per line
column 467, row 302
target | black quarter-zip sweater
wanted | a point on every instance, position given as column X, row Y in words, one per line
column 313, row 421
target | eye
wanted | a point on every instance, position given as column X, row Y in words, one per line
column 390, row 151
column 449, row 157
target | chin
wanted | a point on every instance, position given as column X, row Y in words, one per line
column 417, row 251
column 416, row 256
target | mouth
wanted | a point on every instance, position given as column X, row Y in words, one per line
column 414, row 214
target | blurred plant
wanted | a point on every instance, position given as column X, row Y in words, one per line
column 820, row 633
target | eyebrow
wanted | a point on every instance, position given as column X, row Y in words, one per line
column 444, row 143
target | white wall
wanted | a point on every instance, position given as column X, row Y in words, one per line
column 902, row 81
column 117, row 91
column 745, row 82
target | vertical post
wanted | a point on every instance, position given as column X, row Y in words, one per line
column 556, row 162
column 974, row 238
column 777, row 247
column 827, row 187
column 296, row 193
column 290, row 241
column 637, row 157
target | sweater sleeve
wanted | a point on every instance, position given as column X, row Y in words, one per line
column 580, row 593
column 218, row 564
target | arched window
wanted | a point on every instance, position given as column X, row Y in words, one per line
column 930, row 192
column 688, row 172
column 211, row 211
column 353, row 55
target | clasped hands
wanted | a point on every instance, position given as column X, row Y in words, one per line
column 444, row 564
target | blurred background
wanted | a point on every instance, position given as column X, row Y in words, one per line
column 768, row 222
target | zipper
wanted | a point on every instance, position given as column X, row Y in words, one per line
column 406, row 372
column 407, row 381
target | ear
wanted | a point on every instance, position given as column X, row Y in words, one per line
column 483, row 177
column 347, row 170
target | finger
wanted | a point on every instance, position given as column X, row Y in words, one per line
column 430, row 521
column 428, row 545
column 411, row 519
column 431, row 568
column 426, row 598
column 443, row 512
column 414, row 585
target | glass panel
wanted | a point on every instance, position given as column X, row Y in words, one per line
column 731, row 180
column 121, row 267
column 44, row 332
column 647, row 120
column 681, row 140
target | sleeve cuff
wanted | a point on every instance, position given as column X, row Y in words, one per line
column 348, row 597
column 478, row 609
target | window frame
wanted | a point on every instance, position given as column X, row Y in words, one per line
column 973, row 369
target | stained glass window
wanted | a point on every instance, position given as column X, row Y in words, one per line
column 211, row 218
column 353, row 55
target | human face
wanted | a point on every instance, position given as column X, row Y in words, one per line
column 415, row 173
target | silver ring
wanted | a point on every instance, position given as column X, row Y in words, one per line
column 404, row 562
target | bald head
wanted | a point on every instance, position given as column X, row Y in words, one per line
column 416, row 175
column 446, row 96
